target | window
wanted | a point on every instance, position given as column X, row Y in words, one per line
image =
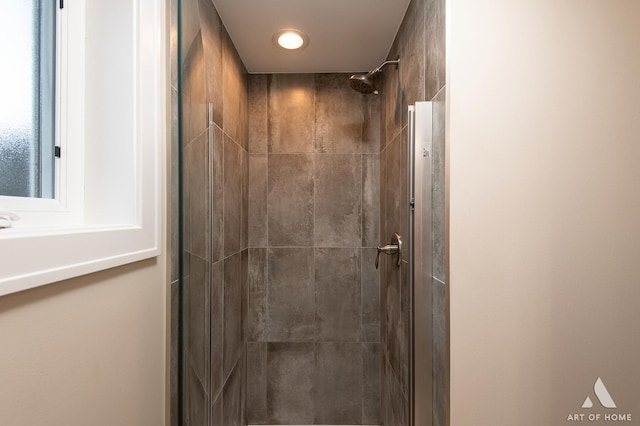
column 110, row 96
column 27, row 84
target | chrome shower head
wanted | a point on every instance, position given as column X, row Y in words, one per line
column 366, row 83
column 363, row 83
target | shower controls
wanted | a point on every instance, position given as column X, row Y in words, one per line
column 393, row 248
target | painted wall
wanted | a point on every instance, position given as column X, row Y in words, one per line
column 87, row 351
column 90, row 350
column 544, row 131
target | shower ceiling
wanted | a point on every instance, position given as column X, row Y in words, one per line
column 344, row 35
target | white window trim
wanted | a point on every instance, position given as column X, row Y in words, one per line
column 117, row 218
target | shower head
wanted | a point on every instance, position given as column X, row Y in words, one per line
column 363, row 83
column 366, row 83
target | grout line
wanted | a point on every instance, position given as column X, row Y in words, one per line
column 210, row 190
column 313, row 227
column 223, row 267
column 440, row 90
column 439, row 281
column 267, row 313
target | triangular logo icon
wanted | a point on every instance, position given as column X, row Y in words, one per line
column 602, row 394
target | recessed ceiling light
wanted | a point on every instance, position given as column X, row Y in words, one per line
column 290, row 39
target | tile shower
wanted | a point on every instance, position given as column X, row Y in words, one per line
column 313, row 337
column 285, row 194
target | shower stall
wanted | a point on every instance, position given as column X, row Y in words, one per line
column 303, row 234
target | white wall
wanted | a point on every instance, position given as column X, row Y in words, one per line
column 88, row 351
column 544, row 137
column 91, row 350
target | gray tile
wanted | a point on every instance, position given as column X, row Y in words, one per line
column 338, row 115
column 337, row 391
column 411, row 49
column 392, row 104
column 384, row 233
column 371, row 125
column 244, row 208
column 245, row 292
column 234, row 89
column 371, row 366
column 198, row 319
column 189, row 26
column 337, row 218
column 173, row 369
column 185, row 187
column 291, row 113
column 196, row 400
column 384, row 391
column 392, row 186
column 435, row 47
column 290, row 374
column 232, row 197
column 392, row 314
column 217, row 326
column 370, row 297
column 186, row 264
column 402, row 333
column 337, row 294
column 371, row 200
column 403, row 191
column 175, row 187
column 438, row 192
column 199, row 199
column 257, row 294
column 186, row 337
column 290, row 200
column 383, row 308
column 258, row 134
column 440, row 354
column 212, row 43
column 257, row 200
column 233, row 338
column 194, row 118
column 218, row 194
column 291, row 301
column 396, row 333
column 387, row 390
column 257, row 383
column 216, row 412
column 405, row 84
column 397, row 412
column 232, row 398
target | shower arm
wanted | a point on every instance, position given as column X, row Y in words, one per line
column 377, row 70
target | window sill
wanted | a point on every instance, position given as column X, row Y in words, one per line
column 32, row 258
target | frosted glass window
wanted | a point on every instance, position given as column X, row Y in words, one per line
column 27, row 98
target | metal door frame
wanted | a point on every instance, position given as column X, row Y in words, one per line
column 420, row 264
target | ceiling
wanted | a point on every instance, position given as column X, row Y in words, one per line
column 344, row 35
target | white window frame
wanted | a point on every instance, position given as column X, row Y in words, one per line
column 108, row 209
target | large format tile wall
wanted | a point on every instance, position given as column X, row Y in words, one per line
column 420, row 45
column 215, row 205
column 313, row 351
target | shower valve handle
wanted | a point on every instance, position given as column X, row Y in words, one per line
column 394, row 247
